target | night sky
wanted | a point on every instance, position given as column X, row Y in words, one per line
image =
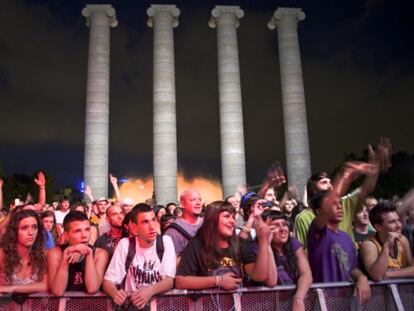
column 357, row 58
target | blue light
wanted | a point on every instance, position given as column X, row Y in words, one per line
column 81, row 186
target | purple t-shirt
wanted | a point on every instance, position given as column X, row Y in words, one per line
column 332, row 255
column 284, row 275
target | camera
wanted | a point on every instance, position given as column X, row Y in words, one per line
column 267, row 204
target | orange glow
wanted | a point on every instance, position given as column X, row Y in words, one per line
column 140, row 189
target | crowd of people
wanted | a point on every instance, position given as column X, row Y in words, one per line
column 135, row 251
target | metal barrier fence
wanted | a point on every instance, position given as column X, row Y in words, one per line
column 387, row 295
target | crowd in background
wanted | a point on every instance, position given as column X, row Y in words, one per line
column 265, row 238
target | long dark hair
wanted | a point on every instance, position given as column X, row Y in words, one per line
column 287, row 247
column 209, row 235
column 9, row 246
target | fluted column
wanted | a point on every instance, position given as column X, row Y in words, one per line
column 233, row 166
column 163, row 18
column 99, row 18
column 293, row 95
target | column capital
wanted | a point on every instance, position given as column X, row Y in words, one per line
column 280, row 13
column 105, row 8
column 224, row 9
column 158, row 8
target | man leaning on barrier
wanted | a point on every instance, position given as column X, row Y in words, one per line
column 142, row 266
column 76, row 266
column 387, row 254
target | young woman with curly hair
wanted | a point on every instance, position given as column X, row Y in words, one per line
column 212, row 257
column 22, row 256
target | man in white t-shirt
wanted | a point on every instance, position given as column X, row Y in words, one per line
column 62, row 212
column 147, row 275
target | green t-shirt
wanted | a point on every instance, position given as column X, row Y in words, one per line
column 305, row 218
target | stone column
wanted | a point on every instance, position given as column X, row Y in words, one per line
column 293, row 95
column 233, row 166
column 99, row 18
column 163, row 18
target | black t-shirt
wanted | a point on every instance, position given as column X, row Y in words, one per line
column 76, row 280
column 108, row 243
column 191, row 262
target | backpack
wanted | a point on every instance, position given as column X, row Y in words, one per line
column 181, row 230
column 159, row 244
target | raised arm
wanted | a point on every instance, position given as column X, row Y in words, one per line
column 264, row 269
column 275, row 177
column 114, row 183
column 350, row 172
column 406, row 206
column 41, row 182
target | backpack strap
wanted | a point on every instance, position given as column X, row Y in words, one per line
column 160, row 246
column 181, row 230
column 131, row 253
column 129, row 258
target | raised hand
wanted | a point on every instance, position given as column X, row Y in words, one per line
column 361, row 168
column 263, row 230
column 113, row 179
column 88, row 192
column 40, row 180
column 384, row 148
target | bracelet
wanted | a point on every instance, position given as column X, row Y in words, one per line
column 221, row 280
column 217, row 281
column 245, row 229
column 298, row 297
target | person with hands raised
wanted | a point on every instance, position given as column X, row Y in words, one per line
column 252, row 206
column 259, row 253
column 350, row 201
column 40, row 181
column 331, row 252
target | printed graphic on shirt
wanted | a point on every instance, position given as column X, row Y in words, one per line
column 342, row 257
column 226, row 264
column 77, row 279
column 145, row 274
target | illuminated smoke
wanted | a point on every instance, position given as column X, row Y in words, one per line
column 140, row 189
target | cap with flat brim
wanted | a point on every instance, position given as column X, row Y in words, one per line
column 103, row 199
